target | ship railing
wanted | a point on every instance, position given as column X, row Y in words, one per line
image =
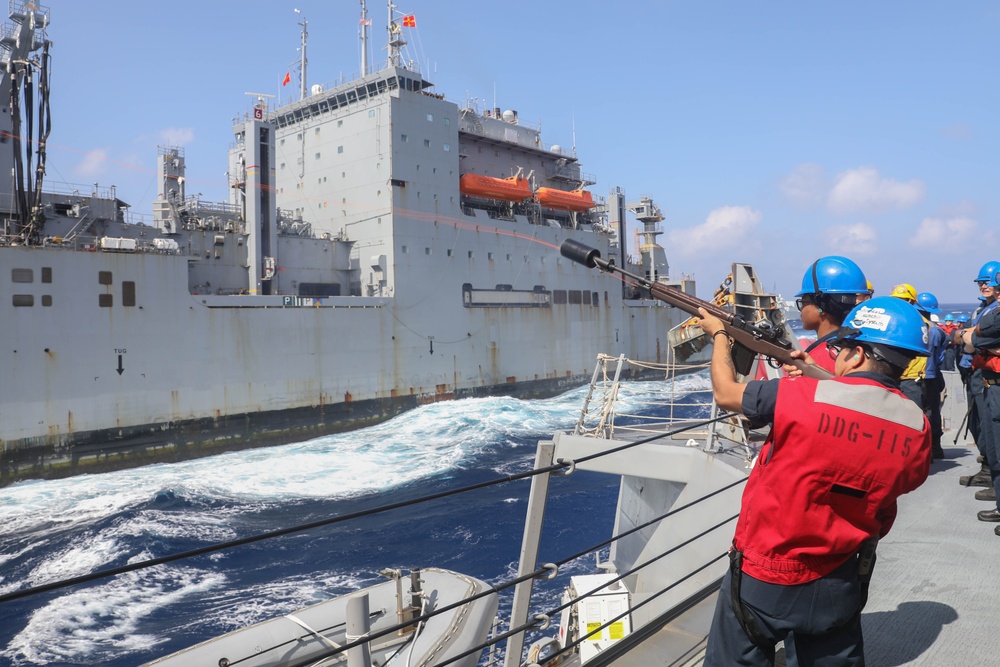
column 616, row 410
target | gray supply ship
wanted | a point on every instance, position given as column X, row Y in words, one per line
column 382, row 247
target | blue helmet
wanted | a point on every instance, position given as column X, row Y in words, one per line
column 833, row 275
column 989, row 272
column 927, row 303
column 893, row 329
column 949, row 318
column 962, row 318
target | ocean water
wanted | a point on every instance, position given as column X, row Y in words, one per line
column 52, row 530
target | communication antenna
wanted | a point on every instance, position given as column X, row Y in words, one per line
column 305, row 35
column 364, row 23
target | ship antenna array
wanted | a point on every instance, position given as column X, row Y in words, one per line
column 304, row 61
column 363, row 24
column 261, row 99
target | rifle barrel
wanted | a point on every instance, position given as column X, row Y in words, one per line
column 741, row 332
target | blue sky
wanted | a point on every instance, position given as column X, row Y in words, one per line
column 768, row 132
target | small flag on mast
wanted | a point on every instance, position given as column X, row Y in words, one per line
column 410, row 21
column 365, row 22
column 288, row 77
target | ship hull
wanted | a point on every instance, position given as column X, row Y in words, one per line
column 91, row 387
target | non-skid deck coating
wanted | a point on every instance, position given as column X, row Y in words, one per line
column 935, row 593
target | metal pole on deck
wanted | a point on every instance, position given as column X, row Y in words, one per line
column 358, row 627
column 529, row 551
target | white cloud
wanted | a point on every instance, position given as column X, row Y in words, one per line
column 806, row 185
column 724, row 228
column 176, row 136
column 857, row 239
column 950, row 235
column 864, row 189
column 93, row 164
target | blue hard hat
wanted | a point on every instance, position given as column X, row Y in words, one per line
column 927, row 303
column 833, row 275
column 962, row 318
column 989, row 272
column 949, row 318
column 892, row 328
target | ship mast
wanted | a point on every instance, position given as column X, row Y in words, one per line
column 396, row 42
column 305, row 61
column 364, row 38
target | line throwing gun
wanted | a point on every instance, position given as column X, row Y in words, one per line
column 749, row 339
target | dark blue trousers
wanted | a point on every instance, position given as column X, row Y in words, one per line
column 990, row 434
column 818, row 621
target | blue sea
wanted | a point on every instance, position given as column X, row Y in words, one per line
column 53, row 530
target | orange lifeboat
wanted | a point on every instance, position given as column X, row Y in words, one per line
column 515, row 188
column 577, row 201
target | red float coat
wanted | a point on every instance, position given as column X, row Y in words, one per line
column 839, row 454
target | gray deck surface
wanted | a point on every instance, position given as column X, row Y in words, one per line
column 935, row 593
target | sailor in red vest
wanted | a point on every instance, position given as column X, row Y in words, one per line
column 822, row 492
column 830, row 288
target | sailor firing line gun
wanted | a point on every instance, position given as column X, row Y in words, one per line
column 748, row 339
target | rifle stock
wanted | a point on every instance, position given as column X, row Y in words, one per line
column 746, row 335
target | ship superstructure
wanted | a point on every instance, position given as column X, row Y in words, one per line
column 381, row 247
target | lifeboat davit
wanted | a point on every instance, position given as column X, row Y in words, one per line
column 577, row 201
column 515, row 188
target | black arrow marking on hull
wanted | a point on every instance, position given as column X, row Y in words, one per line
column 121, row 369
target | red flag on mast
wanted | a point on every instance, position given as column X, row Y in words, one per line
column 288, row 77
column 410, row 21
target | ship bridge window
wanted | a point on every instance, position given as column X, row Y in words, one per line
column 22, row 275
column 46, row 300
column 559, row 297
column 104, row 277
column 23, row 300
column 403, row 138
column 46, row 274
column 105, row 300
column 427, row 143
column 446, row 121
column 447, row 148
column 430, row 118
column 575, row 296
